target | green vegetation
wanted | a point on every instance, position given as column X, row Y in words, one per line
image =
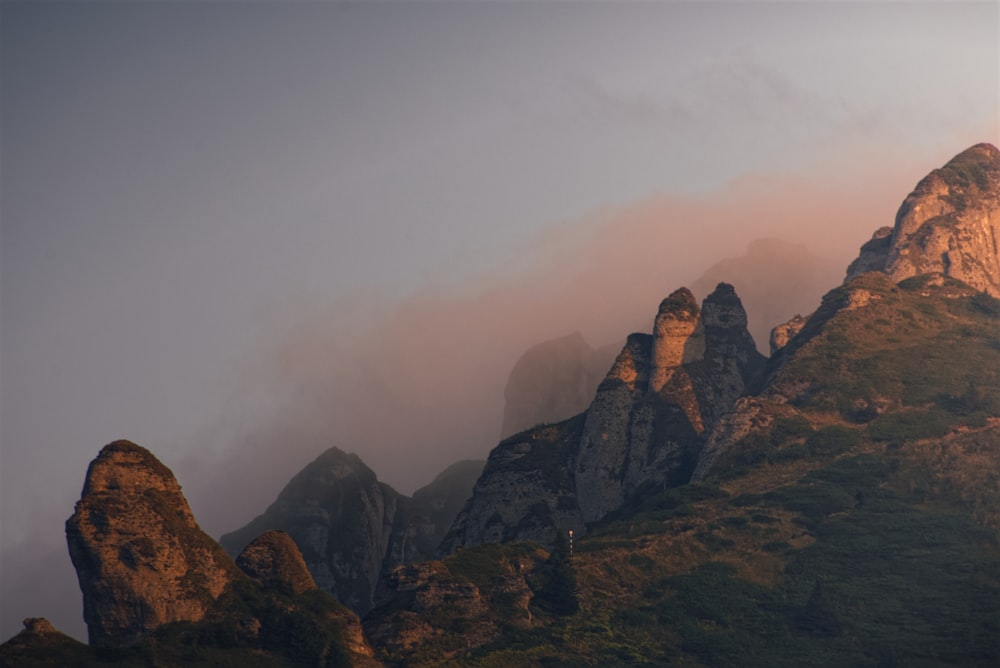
column 859, row 526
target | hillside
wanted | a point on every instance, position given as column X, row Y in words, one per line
column 855, row 521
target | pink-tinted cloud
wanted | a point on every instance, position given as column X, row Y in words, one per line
column 415, row 385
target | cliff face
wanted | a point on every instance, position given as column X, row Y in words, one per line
column 141, row 559
column 645, row 425
column 949, row 224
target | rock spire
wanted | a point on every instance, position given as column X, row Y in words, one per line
column 141, row 559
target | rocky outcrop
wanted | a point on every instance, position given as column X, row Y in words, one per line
column 456, row 605
column 645, row 425
column 678, row 337
column 650, row 416
column 949, row 224
column 874, row 254
column 552, row 381
column 41, row 644
column 785, row 332
column 141, row 559
column 273, row 559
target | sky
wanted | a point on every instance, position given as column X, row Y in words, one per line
column 238, row 233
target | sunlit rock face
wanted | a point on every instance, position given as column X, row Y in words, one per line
column 646, row 423
column 949, row 224
column 273, row 558
column 678, row 337
column 785, row 332
column 141, row 559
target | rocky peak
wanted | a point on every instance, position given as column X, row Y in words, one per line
column 273, row 558
column 646, row 423
column 949, row 224
column 725, row 323
column 140, row 557
column 349, row 527
column 678, row 337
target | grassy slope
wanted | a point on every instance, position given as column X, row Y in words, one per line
column 860, row 528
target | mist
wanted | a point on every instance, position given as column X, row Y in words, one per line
column 416, row 385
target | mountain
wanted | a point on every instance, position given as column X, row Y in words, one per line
column 552, row 381
column 158, row 591
column 836, row 504
column 644, row 427
column 844, row 510
column 352, row 529
column 141, row 558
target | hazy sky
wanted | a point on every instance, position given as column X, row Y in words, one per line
column 239, row 233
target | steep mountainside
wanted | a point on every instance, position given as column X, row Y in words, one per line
column 845, row 511
column 645, row 426
column 352, row 529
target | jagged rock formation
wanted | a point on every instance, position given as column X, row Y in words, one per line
column 662, row 397
column 949, row 224
column 144, row 565
column 554, row 380
column 352, row 529
column 645, row 425
column 775, row 280
column 783, row 333
column 141, row 559
column 273, row 558
column 455, row 604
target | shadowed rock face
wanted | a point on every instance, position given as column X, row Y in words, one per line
column 347, row 525
column 949, row 224
column 141, row 559
column 352, row 530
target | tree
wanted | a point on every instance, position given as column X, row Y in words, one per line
column 558, row 593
